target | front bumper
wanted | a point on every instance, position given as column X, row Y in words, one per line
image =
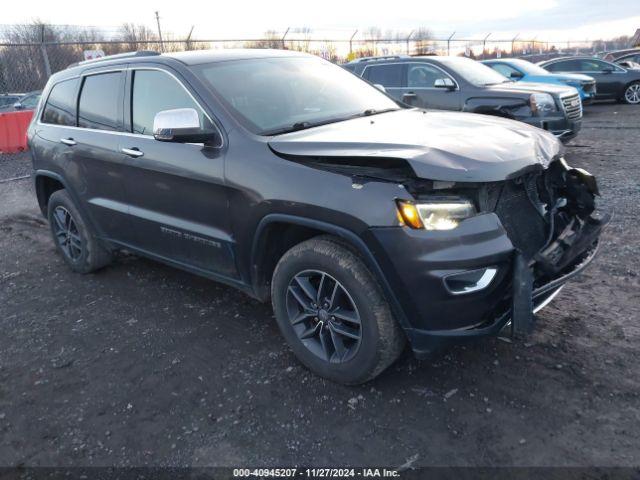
column 562, row 127
column 425, row 342
column 417, row 263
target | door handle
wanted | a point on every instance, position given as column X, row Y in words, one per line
column 409, row 95
column 68, row 141
column 132, row 152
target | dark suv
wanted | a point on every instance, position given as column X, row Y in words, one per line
column 365, row 222
column 464, row 85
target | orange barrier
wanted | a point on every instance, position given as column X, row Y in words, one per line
column 13, row 131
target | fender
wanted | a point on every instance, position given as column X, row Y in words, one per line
column 79, row 205
column 347, row 235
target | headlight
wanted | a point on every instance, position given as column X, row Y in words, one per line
column 443, row 214
column 573, row 83
column 542, row 103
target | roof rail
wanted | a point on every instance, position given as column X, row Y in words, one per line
column 384, row 57
column 140, row 53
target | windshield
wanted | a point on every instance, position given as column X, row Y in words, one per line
column 473, row 72
column 275, row 95
column 528, row 68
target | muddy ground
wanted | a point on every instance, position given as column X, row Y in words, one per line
column 142, row 364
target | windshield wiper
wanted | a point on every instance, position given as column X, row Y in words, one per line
column 305, row 125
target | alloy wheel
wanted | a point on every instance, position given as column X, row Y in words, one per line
column 66, row 232
column 632, row 93
column 324, row 316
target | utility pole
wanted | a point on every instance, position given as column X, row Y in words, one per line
column 159, row 31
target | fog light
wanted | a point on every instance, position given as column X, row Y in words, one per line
column 470, row 281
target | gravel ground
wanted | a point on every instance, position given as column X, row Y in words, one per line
column 142, row 364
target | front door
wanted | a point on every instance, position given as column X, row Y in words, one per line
column 178, row 199
column 421, row 90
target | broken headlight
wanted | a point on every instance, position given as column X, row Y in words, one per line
column 438, row 214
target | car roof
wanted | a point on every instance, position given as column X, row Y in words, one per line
column 194, row 57
column 575, row 57
column 405, row 58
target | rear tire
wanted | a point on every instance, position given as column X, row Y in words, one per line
column 332, row 312
column 631, row 94
column 73, row 237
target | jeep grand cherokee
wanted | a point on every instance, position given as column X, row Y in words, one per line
column 366, row 223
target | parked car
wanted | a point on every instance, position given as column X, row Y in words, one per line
column 613, row 82
column 464, row 85
column 365, row 222
column 524, row 71
column 628, row 64
column 632, row 54
column 9, row 98
column 28, row 101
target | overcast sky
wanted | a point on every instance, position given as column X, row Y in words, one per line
column 546, row 19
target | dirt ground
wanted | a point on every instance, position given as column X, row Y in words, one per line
column 142, row 364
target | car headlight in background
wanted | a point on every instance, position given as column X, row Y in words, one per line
column 542, row 103
column 443, row 214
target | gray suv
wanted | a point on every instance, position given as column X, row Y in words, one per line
column 366, row 223
column 464, row 85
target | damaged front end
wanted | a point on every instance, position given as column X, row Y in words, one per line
column 550, row 218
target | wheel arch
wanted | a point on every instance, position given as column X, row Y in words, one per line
column 264, row 258
column 46, row 183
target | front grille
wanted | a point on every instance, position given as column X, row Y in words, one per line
column 572, row 106
column 521, row 218
column 589, row 87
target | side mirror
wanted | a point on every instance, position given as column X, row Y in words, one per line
column 444, row 83
column 607, row 70
column 516, row 75
column 380, row 87
column 181, row 125
column 17, row 106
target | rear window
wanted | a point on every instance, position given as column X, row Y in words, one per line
column 99, row 100
column 60, row 108
column 389, row 75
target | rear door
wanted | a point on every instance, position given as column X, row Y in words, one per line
column 98, row 169
column 179, row 205
column 389, row 75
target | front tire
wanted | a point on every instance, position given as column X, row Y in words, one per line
column 73, row 237
column 632, row 94
column 332, row 312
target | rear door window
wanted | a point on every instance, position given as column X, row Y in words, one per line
column 60, row 108
column 100, row 101
column 389, row 75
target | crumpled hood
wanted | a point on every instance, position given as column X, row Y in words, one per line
column 446, row 146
